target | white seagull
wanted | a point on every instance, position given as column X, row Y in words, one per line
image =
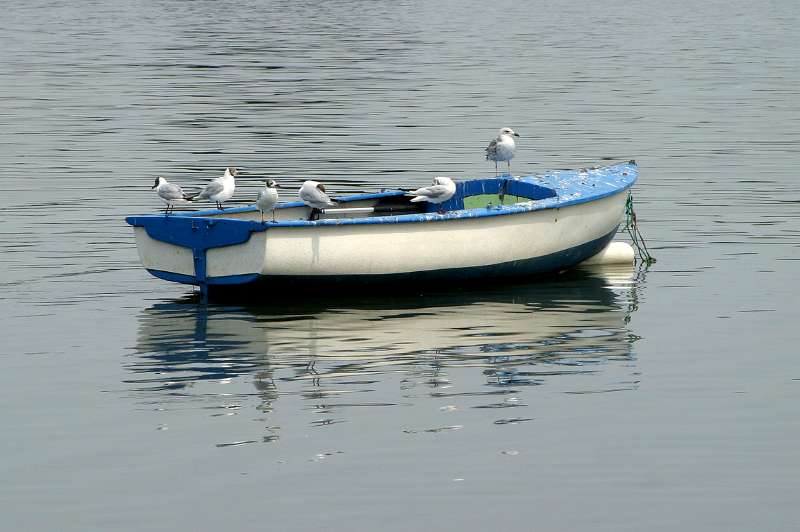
column 442, row 190
column 502, row 148
column 313, row 194
column 268, row 198
column 220, row 189
column 169, row 194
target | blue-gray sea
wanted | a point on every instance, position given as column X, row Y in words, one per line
column 618, row 399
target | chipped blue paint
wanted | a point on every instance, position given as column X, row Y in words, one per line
column 550, row 190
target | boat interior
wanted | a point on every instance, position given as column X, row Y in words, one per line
column 473, row 194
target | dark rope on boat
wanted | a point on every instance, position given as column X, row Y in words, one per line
column 632, row 227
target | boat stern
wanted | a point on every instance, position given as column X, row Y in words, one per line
column 189, row 249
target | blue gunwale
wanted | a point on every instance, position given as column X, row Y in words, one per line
column 570, row 187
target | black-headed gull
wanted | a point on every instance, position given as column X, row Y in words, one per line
column 313, row 194
column 169, row 194
column 268, row 198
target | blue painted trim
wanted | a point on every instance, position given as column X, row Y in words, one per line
column 563, row 189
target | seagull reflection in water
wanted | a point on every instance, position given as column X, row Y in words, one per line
column 518, row 336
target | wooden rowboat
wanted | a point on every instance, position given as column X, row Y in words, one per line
column 492, row 228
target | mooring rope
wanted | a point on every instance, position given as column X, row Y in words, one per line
column 636, row 235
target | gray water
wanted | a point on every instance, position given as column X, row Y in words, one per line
column 615, row 399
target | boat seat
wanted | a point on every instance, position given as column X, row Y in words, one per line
column 493, row 187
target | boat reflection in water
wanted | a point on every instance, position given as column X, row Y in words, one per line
column 570, row 334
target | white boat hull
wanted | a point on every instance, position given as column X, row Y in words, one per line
column 561, row 220
column 378, row 249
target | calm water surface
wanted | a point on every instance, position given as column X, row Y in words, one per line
column 632, row 399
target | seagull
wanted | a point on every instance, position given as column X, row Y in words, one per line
column 220, row 189
column 268, row 198
column 313, row 194
column 442, row 190
column 169, row 194
column 502, row 148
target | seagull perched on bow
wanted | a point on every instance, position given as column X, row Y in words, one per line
column 268, row 198
column 502, row 148
column 313, row 194
column 169, row 194
column 442, row 190
column 220, row 189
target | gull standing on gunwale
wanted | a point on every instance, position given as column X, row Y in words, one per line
column 169, row 194
column 220, row 189
column 502, row 148
column 313, row 194
column 442, row 190
column 268, row 198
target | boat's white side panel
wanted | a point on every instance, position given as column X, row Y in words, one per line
column 157, row 255
column 238, row 259
column 414, row 247
column 395, row 248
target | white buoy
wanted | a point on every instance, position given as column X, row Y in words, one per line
column 614, row 253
